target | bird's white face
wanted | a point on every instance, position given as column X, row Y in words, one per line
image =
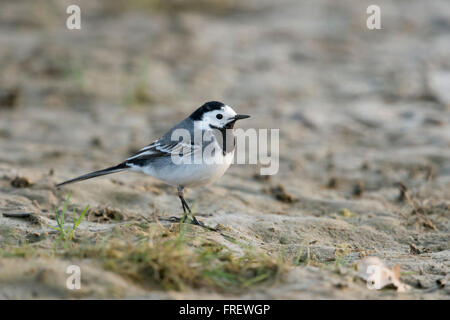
column 219, row 118
column 215, row 115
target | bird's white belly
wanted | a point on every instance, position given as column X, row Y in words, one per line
column 191, row 175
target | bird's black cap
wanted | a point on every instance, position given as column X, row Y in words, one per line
column 208, row 106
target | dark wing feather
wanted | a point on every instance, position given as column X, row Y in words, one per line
column 159, row 150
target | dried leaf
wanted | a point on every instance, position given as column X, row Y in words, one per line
column 378, row 276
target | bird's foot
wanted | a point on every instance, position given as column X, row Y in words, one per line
column 201, row 224
column 175, row 219
column 193, row 221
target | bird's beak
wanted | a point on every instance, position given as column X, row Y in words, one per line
column 233, row 120
column 241, row 116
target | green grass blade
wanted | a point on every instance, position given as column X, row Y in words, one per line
column 57, row 218
column 256, row 279
column 55, row 228
column 80, row 218
column 66, row 204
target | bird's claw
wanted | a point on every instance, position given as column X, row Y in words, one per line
column 174, row 219
column 193, row 221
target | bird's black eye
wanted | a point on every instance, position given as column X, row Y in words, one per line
column 219, row 116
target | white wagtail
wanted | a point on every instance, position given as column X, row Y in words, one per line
column 157, row 159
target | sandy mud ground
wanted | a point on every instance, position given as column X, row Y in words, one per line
column 364, row 147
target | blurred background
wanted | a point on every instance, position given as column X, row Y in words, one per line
column 363, row 113
column 312, row 68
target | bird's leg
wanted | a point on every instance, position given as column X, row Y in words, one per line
column 187, row 210
column 183, row 202
column 186, row 207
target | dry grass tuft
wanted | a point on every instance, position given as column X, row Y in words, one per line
column 171, row 259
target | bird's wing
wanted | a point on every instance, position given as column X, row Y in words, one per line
column 160, row 149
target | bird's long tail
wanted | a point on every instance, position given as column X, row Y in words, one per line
column 94, row 174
